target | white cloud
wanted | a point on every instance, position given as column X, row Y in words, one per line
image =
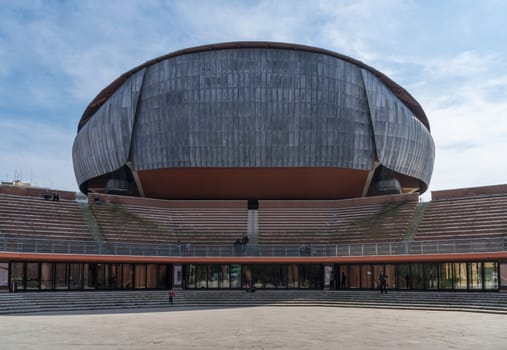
column 60, row 55
column 467, row 118
column 36, row 152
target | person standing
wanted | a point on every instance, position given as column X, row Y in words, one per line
column 383, row 283
column 171, row 296
column 344, row 280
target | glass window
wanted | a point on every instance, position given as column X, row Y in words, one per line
column 46, row 278
column 417, row 274
column 431, row 276
column 475, row 275
column 90, row 276
column 127, row 277
column 235, row 276
column 213, row 276
column 76, row 276
column 490, row 275
column 311, row 276
column 367, row 276
column 201, row 277
column 281, row 278
column 403, row 277
column 460, row 275
column 17, row 276
column 190, row 275
column 223, row 277
column 390, row 272
column 503, row 275
column 4, row 274
column 292, row 276
column 446, row 276
column 247, row 275
column 162, row 277
column 115, row 276
column 316, row 276
column 304, row 276
column 377, row 270
column 353, row 278
column 32, row 276
column 140, row 275
column 151, row 276
column 101, row 276
column 61, row 276
column 261, row 275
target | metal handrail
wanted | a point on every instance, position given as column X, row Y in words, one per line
column 24, row 245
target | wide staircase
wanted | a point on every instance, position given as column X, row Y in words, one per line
column 82, row 302
column 36, row 218
column 136, row 224
column 383, row 222
column 478, row 217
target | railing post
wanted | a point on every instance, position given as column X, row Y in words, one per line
column 336, row 249
column 349, row 249
column 362, row 249
column 376, row 248
column 390, row 248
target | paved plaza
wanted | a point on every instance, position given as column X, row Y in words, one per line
column 255, row 328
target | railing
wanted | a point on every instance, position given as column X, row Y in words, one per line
column 19, row 245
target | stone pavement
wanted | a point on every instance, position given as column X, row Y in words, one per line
column 255, row 328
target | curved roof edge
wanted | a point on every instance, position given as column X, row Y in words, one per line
column 400, row 92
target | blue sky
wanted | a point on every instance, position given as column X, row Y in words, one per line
column 55, row 56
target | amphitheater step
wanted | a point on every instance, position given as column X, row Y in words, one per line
column 36, row 302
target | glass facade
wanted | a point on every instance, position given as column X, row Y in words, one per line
column 78, row 276
column 473, row 276
column 262, row 276
column 421, row 276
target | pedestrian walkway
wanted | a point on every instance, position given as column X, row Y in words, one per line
column 260, row 327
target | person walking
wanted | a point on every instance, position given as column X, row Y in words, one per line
column 171, row 296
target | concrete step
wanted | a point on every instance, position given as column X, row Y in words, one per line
column 33, row 302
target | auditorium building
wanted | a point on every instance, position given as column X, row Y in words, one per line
column 253, row 165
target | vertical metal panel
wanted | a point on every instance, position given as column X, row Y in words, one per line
column 281, row 107
column 255, row 107
column 403, row 143
column 103, row 144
